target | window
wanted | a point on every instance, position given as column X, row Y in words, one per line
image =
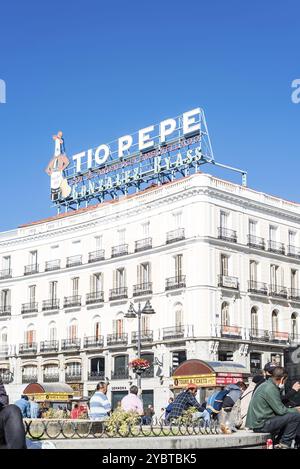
column 30, row 335
column 254, row 321
column 53, row 290
column 179, row 316
column 294, row 279
column 6, row 263
column 98, row 242
column 31, row 293
column 52, row 332
column 75, row 286
column 97, row 328
column 224, row 356
column 225, row 320
column 121, row 236
column 73, row 330
column 223, row 219
column 98, row 366
column 178, row 357
column 294, row 326
column 275, row 321
column 178, row 266
column 33, row 258
column 73, row 369
column 292, row 236
column 252, row 227
column 54, row 252
column 255, row 363
column 146, row 229
column 121, row 364
column 3, row 336
column 119, row 278
column 51, row 370
column 143, row 273
column 253, row 271
column 118, row 327
column 177, row 220
column 224, row 265
column 145, row 326
column 96, row 283
column 5, row 299
column 272, row 233
column 274, row 271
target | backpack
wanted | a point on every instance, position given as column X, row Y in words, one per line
column 215, row 401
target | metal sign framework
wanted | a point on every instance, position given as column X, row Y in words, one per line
column 179, row 156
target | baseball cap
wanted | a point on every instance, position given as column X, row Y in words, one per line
column 192, row 386
column 269, row 367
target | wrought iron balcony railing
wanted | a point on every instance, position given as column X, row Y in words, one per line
column 227, row 235
column 146, row 336
column 278, row 291
column 96, row 376
column 51, row 378
column 52, row 265
column 120, row 374
column 70, row 344
column 256, row 242
column 72, row 261
column 231, row 331
column 5, row 310
column 49, row 305
column 259, row 335
column 31, row 269
column 227, row 281
column 173, row 283
column 293, row 251
column 94, row 342
column 294, row 294
column 118, row 293
column 277, row 336
column 142, row 289
column 276, row 247
column 120, row 250
column 29, row 308
column 6, row 273
column 27, row 379
column 94, row 297
column 175, row 235
column 73, row 377
column 117, row 339
column 257, row 287
column 70, row 301
column 143, row 244
column 49, row 346
column 96, row 256
column 28, row 348
column 177, row 332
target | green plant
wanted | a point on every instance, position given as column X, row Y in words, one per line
column 187, row 416
column 120, row 422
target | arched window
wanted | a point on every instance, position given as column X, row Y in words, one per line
column 254, row 321
column 73, row 329
column 225, row 319
column 118, row 325
column 52, row 331
column 275, row 321
column 30, row 334
column 294, row 328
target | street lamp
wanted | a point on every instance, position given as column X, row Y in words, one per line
column 133, row 313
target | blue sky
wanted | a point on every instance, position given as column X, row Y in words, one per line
column 99, row 70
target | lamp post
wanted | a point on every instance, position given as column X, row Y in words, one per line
column 133, row 313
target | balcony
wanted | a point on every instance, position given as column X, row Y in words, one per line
column 4, row 348
column 292, row 251
column 96, row 376
column 29, row 308
column 256, row 242
column 52, row 265
column 278, row 291
column 259, row 335
column 7, row 273
column 71, row 301
column 120, row 374
column 118, row 293
column 276, row 247
column 5, row 310
column 177, row 332
column 31, row 269
column 49, row 305
column 73, row 377
column 175, row 235
column 120, row 250
column 227, row 235
column 73, row 261
column 142, row 289
column 94, row 297
column 172, row 283
column 96, row 256
column 232, row 332
column 49, row 346
column 28, row 348
column 51, row 378
column 294, row 294
column 117, row 339
column 259, row 288
column 143, row 244
column 70, row 344
column 146, row 336
column 225, row 281
column 279, row 337
column 27, row 379
column 294, row 339
column 93, row 342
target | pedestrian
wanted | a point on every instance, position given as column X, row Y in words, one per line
column 131, row 402
column 75, row 412
column 268, row 414
column 34, row 408
column 184, row 401
column 12, row 432
column 148, row 415
column 24, row 406
column 169, row 408
column 100, row 406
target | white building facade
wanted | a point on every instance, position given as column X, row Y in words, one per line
column 219, row 263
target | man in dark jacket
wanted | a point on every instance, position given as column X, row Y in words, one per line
column 184, row 401
column 268, row 414
column 12, row 432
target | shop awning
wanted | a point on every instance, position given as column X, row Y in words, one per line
column 49, row 391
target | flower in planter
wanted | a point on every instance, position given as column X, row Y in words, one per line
column 139, row 364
